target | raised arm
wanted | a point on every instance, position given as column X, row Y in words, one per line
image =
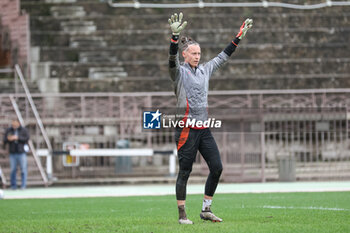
column 176, row 27
column 219, row 60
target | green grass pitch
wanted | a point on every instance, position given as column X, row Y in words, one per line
column 268, row 212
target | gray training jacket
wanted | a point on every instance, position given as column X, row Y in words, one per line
column 192, row 85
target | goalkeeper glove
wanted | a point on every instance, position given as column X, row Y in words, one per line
column 247, row 24
column 175, row 24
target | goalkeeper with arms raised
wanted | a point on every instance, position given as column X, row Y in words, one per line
column 191, row 82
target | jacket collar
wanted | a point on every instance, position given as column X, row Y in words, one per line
column 189, row 67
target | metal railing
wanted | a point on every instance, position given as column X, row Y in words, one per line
column 33, row 107
column 202, row 4
column 319, row 141
column 19, row 75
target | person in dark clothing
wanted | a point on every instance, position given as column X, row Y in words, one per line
column 191, row 81
column 17, row 137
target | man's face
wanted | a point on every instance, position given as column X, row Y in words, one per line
column 192, row 55
column 15, row 124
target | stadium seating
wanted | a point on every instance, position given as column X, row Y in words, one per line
column 287, row 49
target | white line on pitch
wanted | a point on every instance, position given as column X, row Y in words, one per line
column 303, row 208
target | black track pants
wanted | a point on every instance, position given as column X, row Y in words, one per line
column 188, row 142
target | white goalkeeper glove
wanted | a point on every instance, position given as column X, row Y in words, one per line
column 175, row 24
column 247, row 24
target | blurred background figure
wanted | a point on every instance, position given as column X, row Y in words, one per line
column 17, row 137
